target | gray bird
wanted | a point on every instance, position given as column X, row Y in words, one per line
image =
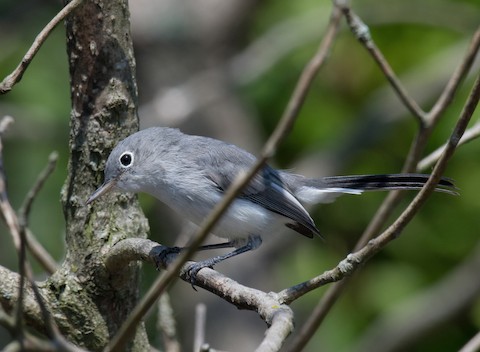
column 191, row 173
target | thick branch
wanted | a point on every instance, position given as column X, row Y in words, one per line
column 278, row 316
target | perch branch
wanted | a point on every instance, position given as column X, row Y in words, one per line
column 277, row 315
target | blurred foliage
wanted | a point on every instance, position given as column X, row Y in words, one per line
column 340, row 108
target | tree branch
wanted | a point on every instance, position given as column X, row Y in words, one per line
column 277, row 315
column 361, row 31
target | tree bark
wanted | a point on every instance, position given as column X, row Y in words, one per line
column 89, row 302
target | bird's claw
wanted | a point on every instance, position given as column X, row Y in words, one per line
column 193, row 269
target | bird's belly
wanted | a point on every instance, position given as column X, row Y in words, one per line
column 242, row 219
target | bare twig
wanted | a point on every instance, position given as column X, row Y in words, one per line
column 362, row 33
column 394, row 230
column 18, row 237
column 282, row 129
column 13, row 78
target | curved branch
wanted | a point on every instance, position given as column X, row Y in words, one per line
column 278, row 316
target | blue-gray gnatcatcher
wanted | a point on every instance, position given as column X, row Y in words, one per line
column 191, row 173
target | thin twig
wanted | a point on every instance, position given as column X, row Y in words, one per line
column 12, row 223
column 362, row 33
column 283, row 127
column 13, row 78
column 394, row 230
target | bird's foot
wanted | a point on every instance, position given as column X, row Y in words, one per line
column 193, row 269
column 161, row 255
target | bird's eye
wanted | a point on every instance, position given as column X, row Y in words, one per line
column 126, row 159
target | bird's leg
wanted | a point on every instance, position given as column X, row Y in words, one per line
column 253, row 242
column 175, row 250
column 229, row 244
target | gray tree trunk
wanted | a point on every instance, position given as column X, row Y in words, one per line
column 91, row 302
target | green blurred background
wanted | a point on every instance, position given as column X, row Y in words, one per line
column 227, row 70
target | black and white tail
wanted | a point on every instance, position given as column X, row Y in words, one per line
column 326, row 189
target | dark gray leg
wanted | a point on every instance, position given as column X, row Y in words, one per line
column 253, row 243
column 206, row 247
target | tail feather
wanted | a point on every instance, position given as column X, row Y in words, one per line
column 327, row 189
column 388, row 182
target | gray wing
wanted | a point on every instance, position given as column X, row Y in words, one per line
column 267, row 189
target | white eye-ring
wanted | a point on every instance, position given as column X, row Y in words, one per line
column 126, row 159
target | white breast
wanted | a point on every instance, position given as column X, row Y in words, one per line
column 243, row 217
